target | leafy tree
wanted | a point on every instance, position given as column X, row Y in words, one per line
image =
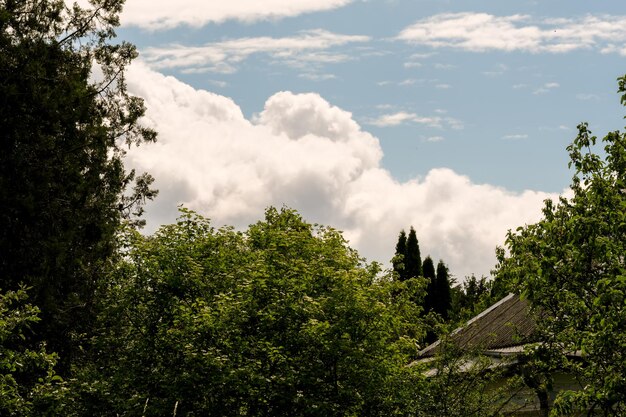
column 471, row 297
column 443, row 297
column 63, row 188
column 413, row 260
column 28, row 384
column 283, row 319
column 399, row 258
column 462, row 382
column 571, row 266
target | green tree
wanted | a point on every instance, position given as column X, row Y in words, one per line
column 443, row 296
column 399, row 258
column 462, row 382
column 471, row 297
column 63, row 188
column 284, row 319
column 571, row 266
column 413, row 260
column 428, row 270
column 28, row 384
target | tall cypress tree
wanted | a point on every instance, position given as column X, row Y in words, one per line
column 412, row 260
column 443, row 300
column 400, row 255
column 428, row 270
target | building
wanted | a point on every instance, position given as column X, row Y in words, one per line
column 502, row 336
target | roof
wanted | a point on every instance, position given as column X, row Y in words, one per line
column 503, row 328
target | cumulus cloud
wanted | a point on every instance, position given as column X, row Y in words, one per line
column 167, row 14
column 482, row 32
column 299, row 51
column 303, row 152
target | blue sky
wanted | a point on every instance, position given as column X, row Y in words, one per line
column 372, row 116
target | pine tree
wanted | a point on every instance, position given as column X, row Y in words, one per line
column 399, row 258
column 443, row 300
column 428, row 270
column 413, row 260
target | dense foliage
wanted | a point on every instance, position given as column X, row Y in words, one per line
column 62, row 180
column 283, row 319
column 571, row 266
column 28, row 384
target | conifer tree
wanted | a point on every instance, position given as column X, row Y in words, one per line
column 428, row 270
column 443, row 300
column 412, row 259
column 63, row 186
column 399, row 258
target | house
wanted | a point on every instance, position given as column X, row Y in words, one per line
column 504, row 333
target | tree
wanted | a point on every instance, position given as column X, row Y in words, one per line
column 571, row 266
column 443, row 297
column 428, row 270
column 283, row 319
column 413, row 260
column 399, row 258
column 28, row 383
column 471, row 297
column 63, row 188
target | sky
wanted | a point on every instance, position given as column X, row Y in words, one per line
column 372, row 116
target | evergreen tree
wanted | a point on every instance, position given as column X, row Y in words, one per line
column 399, row 258
column 412, row 259
column 443, row 301
column 62, row 181
column 428, row 270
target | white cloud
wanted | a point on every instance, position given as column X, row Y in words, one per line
column 481, row 32
column 587, row 97
column 317, row 77
column 546, row 88
column 435, row 139
column 395, row 119
column 402, row 117
column 413, row 65
column 515, row 136
column 305, row 153
column 443, row 86
column 299, row 51
column 167, row 14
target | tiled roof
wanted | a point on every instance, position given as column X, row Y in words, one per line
column 506, row 324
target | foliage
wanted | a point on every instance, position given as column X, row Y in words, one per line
column 398, row 260
column 471, row 297
column 571, row 266
column 428, row 270
column 465, row 383
column 443, row 298
column 412, row 259
column 28, row 384
column 63, row 189
column 407, row 262
column 283, row 319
